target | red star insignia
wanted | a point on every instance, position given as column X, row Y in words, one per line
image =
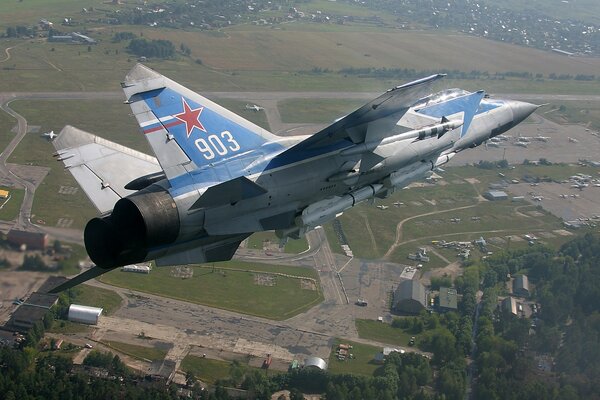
column 191, row 117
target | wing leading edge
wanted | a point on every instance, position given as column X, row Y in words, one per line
column 355, row 127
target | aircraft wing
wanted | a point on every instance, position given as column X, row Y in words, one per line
column 357, row 125
column 102, row 168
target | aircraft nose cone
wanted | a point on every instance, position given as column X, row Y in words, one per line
column 521, row 110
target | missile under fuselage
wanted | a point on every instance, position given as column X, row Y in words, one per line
column 418, row 134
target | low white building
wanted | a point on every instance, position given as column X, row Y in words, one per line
column 84, row 314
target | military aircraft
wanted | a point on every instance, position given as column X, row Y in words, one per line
column 254, row 107
column 50, row 135
column 217, row 177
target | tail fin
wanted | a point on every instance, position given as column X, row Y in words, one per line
column 183, row 126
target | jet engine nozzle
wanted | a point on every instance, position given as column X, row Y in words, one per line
column 143, row 220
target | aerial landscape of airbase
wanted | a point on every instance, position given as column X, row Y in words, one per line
column 481, row 267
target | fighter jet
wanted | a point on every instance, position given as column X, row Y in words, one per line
column 217, row 177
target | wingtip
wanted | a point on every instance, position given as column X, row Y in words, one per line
column 140, row 72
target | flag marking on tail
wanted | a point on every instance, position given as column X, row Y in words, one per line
column 191, row 117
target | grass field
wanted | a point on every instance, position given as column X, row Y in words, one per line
column 6, row 124
column 297, row 47
column 205, row 369
column 577, row 112
column 381, row 332
column 230, row 289
column 29, row 12
column 315, row 110
column 141, row 352
column 239, row 107
column 12, row 205
column 208, row 370
column 68, row 327
column 247, row 58
column 87, row 295
column 362, row 364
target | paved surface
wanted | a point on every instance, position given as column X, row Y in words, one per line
column 557, row 149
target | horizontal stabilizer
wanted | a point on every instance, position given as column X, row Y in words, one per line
column 83, row 277
column 101, row 167
column 228, row 192
column 220, row 251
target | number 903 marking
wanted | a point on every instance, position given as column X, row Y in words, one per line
column 213, row 145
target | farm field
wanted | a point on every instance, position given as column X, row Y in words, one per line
column 289, row 49
column 254, row 285
column 293, row 57
column 27, row 12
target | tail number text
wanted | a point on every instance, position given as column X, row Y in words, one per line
column 213, row 144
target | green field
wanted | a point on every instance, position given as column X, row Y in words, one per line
column 576, row 112
column 205, row 369
column 301, row 47
column 6, row 124
column 209, row 370
column 315, row 111
column 231, row 286
column 381, row 332
column 87, row 295
column 239, row 107
column 30, row 11
column 141, row 352
column 68, row 327
column 244, row 58
column 362, row 364
column 12, row 205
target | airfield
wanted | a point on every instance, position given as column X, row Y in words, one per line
column 189, row 326
column 184, row 331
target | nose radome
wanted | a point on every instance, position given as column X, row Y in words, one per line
column 521, row 110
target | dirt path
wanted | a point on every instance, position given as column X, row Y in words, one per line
column 7, row 51
column 398, row 240
column 370, row 231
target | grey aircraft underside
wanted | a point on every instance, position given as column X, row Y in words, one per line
column 217, row 177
